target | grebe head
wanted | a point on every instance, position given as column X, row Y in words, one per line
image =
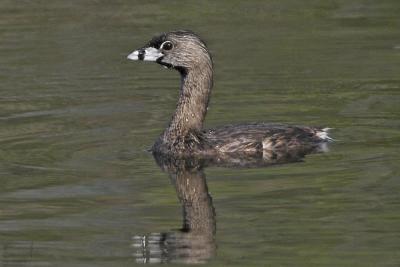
column 181, row 50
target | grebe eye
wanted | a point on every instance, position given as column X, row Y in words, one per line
column 167, row 45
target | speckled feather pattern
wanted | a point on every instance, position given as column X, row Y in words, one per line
column 185, row 134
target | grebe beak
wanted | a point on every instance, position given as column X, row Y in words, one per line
column 146, row 54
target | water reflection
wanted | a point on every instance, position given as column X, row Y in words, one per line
column 195, row 242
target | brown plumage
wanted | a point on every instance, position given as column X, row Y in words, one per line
column 186, row 52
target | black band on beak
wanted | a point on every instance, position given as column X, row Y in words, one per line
column 141, row 54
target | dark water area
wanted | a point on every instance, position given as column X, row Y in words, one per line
column 78, row 187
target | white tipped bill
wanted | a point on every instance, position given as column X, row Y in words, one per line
column 134, row 55
column 147, row 54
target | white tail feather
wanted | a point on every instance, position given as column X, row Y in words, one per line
column 323, row 134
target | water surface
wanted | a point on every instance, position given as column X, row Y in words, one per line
column 80, row 189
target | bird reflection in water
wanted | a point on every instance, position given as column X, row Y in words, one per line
column 195, row 242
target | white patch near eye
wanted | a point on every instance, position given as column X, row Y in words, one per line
column 167, row 44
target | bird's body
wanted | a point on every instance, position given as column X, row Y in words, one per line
column 257, row 139
column 187, row 53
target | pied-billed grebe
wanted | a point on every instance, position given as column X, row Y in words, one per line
column 185, row 52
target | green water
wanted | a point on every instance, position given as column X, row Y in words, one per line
column 79, row 189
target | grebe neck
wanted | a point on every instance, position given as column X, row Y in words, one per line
column 194, row 95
